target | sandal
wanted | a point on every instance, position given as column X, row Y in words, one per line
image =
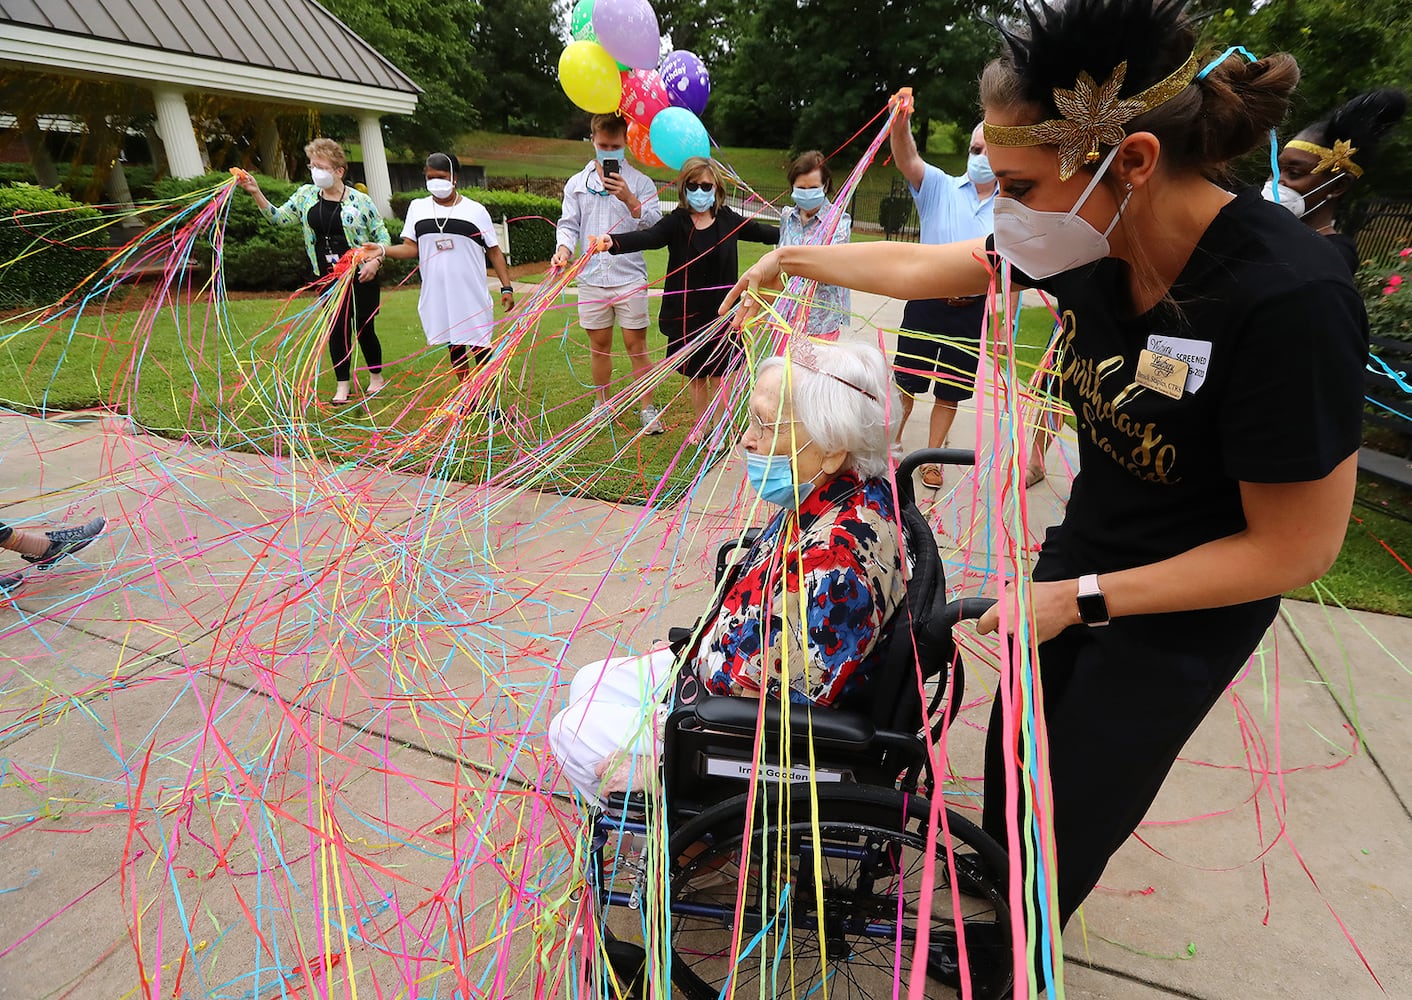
column 1034, row 475
column 932, row 477
column 339, row 402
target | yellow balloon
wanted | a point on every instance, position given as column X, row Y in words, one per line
column 589, row 75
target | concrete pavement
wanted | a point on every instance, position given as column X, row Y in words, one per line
column 288, row 710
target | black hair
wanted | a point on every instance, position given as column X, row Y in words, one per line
column 1363, row 122
column 1203, row 126
column 1055, row 43
column 444, row 161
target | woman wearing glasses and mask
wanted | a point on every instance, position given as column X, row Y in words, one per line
column 1198, row 324
column 702, row 264
column 817, row 446
column 337, row 217
column 1320, row 164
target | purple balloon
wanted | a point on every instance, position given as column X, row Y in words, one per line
column 687, row 82
column 628, row 30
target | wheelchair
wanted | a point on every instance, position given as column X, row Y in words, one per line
column 776, row 887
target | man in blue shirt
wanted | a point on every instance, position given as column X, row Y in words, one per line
column 939, row 343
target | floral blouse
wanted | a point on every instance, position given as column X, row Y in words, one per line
column 843, row 553
column 362, row 222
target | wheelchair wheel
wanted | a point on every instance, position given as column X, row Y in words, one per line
column 868, row 853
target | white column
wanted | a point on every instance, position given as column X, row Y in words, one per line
column 375, row 164
column 178, row 137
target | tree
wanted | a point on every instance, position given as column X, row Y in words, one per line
column 1343, row 49
column 806, row 73
column 431, row 42
column 519, row 44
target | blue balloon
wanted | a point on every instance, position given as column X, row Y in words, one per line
column 677, row 135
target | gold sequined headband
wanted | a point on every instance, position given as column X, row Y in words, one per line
column 1091, row 116
column 1335, row 160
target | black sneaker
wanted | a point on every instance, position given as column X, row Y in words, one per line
column 67, row 541
column 10, row 581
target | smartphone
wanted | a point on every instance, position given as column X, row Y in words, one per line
column 610, row 167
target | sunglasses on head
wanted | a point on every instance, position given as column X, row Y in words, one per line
column 700, row 186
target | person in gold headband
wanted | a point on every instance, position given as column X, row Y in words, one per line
column 1198, row 325
column 1320, row 164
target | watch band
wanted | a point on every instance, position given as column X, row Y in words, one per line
column 1093, row 606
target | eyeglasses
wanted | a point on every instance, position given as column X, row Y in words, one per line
column 700, row 186
column 761, row 427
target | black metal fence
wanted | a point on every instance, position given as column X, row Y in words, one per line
column 1381, row 226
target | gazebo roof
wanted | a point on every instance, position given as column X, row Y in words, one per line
column 281, row 49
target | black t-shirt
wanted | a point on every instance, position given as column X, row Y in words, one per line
column 1276, row 338
column 325, row 218
column 1347, row 248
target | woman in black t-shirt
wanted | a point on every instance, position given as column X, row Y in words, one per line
column 1320, row 164
column 702, row 264
column 1198, row 326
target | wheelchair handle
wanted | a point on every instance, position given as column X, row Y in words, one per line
column 934, row 456
column 965, row 609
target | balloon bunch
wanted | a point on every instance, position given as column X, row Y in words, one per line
column 613, row 65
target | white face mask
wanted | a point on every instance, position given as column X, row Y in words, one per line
column 1292, row 199
column 323, row 179
column 1043, row 244
column 440, row 187
column 1288, row 197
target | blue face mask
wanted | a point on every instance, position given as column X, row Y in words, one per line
column 607, row 154
column 809, row 199
column 978, row 168
column 701, row 201
column 772, row 476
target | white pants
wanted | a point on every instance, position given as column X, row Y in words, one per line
column 612, row 707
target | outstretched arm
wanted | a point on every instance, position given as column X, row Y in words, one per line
column 897, row 270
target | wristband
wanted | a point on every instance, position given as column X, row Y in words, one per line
column 506, row 290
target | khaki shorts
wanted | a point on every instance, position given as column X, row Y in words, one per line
column 599, row 307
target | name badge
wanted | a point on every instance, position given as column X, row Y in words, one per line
column 1161, row 373
column 445, row 244
column 1196, row 353
column 331, row 258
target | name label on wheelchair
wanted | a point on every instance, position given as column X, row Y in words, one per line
column 722, row 767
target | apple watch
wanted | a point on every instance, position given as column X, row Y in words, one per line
column 1093, row 608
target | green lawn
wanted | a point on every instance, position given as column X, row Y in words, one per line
column 232, row 392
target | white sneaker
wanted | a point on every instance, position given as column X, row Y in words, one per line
column 651, row 420
column 601, row 413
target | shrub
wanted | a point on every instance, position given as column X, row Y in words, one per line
column 259, row 255
column 1387, row 289
column 533, row 219
column 43, row 258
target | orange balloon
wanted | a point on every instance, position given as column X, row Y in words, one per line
column 641, row 146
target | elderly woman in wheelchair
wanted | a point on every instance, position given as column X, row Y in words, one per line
column 790, row 728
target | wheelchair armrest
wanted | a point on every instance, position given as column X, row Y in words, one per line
column 621, row 803
column 830, row 725
column 723, row 553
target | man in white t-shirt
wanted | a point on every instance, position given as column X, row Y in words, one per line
column 610, row 196
column 454, row 238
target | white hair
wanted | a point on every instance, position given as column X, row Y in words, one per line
column 845, row 399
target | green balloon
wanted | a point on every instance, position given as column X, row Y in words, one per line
column 581, row 26
column 581, row 22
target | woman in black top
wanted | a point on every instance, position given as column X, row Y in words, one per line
column 1198, row 326
column 702, row 264
column 1320, row 164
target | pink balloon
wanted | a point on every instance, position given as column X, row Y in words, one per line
column 644, row 95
